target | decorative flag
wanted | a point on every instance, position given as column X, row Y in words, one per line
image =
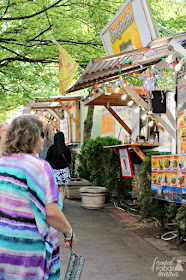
column 67, row 68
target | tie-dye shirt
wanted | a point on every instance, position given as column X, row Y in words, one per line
column 29, row 247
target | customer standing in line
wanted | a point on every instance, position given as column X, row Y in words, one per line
column 30, row 206
column 3, row 129
column 59, row 157
column 48, row 139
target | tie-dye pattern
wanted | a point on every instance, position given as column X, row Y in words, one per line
column 29, row 248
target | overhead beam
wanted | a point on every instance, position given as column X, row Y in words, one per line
column 56, row 113
column 68, row 112
column 140, row 102
column 113, row 113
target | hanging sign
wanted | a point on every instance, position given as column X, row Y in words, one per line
column 125, row 163
column 131, row 28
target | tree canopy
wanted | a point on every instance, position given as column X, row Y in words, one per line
column 29, row 60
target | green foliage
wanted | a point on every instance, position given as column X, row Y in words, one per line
column 150, row 206
column 28, row 58
column 172, row 211
column 101, row 166
column 181, row 216
column 72, row 166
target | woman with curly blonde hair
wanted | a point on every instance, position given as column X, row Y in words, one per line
column 3, row 129
column 48, row 139
column 30, row 206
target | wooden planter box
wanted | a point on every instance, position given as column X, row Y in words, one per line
column 72, row 189
column 93, row 197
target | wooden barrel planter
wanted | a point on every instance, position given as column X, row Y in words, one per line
column 72, row 189
column 93, row 197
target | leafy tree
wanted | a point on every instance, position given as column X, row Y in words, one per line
column 28, row 58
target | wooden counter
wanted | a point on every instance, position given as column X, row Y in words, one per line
column 138, row 147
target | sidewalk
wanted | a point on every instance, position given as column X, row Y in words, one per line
column 111, row 250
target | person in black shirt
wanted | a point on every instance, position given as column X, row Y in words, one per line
column 59, row 157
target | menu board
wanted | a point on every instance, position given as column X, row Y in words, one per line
column 168, row 180
column 181, row 126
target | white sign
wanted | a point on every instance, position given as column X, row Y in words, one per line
column 182, row 90
column 132, row 27
column 125, row 163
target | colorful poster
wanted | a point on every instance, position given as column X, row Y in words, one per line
column 125, row 163
column 169, row 177
column 181, row 126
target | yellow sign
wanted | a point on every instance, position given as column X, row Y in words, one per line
column 124, row 35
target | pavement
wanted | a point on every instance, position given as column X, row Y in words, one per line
column 113, row 251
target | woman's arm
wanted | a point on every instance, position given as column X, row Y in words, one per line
column 56, row 218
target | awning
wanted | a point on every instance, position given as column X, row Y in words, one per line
column 105, row 69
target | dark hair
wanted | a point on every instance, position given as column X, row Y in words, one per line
column 59, row 142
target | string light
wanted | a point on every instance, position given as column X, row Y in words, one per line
column 169, row 58
column 178, row 66
column 144, row 117
column 127, row 60
column 151, row 123
column 144, row 57
column 130, row 103
column 185, row 77
column 116, row 90
column 137, row 110
column 124, row 96
column 154, row 53
column 141, row 66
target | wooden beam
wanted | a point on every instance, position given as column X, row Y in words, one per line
column 68, row 112
column 45, row 107
column 119, row 119
column 139, row 152
column 140, row 102
column 78, row 119
column 56, row 113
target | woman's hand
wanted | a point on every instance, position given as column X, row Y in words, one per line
column 69, row 239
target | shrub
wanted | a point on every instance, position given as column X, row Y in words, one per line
column 101, row 166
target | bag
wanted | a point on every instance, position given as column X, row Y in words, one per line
column 75, row 267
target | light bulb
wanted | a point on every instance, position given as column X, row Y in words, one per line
column 124, row 96
column 137, row 109
column 144, row 57
column 130, row 103
column 169, row 58
column 185, row 77
column 151, row 123
column 144, row 117
column 116, row 90
column 178, row 67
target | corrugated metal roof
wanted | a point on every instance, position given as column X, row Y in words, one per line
column 105, row 69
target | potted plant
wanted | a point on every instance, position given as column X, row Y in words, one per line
column 93, row 197
column 72, row 189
